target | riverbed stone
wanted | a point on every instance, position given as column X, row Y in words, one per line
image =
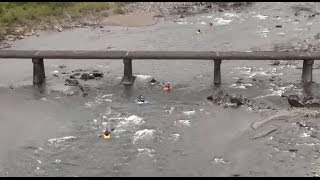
column 294, row 101
column 236, row 99
column 71, row 82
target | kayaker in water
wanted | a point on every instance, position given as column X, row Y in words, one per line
column 107, row 133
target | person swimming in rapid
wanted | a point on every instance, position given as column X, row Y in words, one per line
column 211, row 24
column 167, row 87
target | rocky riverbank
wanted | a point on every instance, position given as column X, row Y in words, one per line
column 136, row 14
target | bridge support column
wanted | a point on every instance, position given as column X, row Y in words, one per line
column 307, row 71
column 128, row 78
column 38, row 71
column 217, row 72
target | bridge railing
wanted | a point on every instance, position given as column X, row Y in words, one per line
column 37, row 57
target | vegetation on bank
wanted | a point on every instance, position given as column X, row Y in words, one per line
column 21, row 13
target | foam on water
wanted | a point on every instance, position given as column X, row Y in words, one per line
column 182, row 22
column 174, row 137
column 58, row 140
column 106, row 95
column 131, row 121
column 169, row 110
column 146, row 151
column 143, row 77
column 221, row 21
column 231, row 15
column 143, row 135
column 98, row 100
column 188, row 113
column 260, row 16
column 220, row 160
column 182, row 122
column 237, row 86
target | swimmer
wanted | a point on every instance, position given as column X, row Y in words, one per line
column 167, row 87
column 211, row 24
column 199, row 31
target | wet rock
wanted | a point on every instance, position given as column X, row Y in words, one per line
column 71, row 82
column 96, row 74
column 182, row 16
column 77, row 70
column 313, row 103
column 20, row 37
column 278, row 26
column 301, row 124
column 59, row 29
column 294, row 101
column 312, row 15
column 85, row 88
column 70, row 93
column 220, row 10
column 86, row 76
column 72, row 77
column 293, row 150
column 62, row 66
column 236, row 99
column 101, row 27
column 217, row 95
column 271, row 79
column 240, row 80
column 209, row 98
column 153, row 81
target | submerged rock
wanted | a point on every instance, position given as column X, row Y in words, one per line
column 86, row 76
column 236, row 99
column 96, row 74
column 294, row 101
column 71, row 82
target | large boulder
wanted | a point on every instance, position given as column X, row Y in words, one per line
column 295, row 101
column 236, row 99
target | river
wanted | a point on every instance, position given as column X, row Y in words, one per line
column 179, row 133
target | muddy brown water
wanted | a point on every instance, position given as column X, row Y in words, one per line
column 175, row 134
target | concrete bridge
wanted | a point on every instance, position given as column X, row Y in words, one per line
column 127, row 57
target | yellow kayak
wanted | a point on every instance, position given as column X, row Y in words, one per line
column 106, row 137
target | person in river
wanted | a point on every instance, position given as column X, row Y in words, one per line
column 211, row 24
column 107, row 132
column 167, row 87
column 198, row 31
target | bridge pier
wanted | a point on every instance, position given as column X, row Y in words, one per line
column 38, row 71
column 217, row 72
column 307, row 71
column 128, row 78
